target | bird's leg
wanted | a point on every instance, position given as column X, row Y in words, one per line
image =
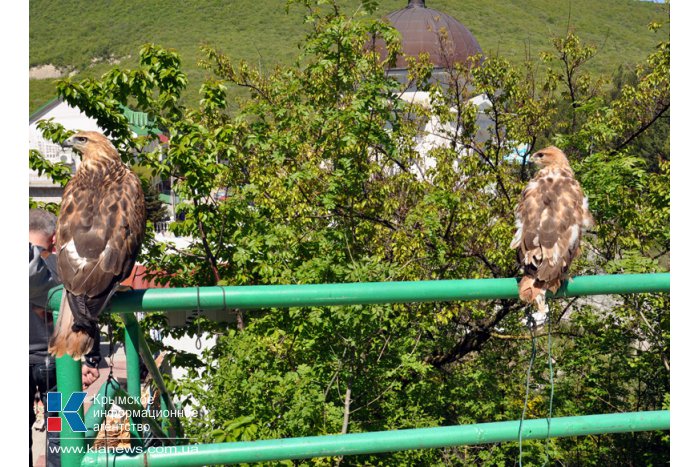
column 540, row 316
column 529, row 320
column 541, row 303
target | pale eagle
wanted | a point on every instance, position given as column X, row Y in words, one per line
column 550, row 218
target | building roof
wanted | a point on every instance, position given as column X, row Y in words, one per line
column 137, row 279
column 43, row 110
column 420, row 31
column 138, row 121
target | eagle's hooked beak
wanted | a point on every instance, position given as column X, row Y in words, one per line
column 535, row 159
column 77, row 142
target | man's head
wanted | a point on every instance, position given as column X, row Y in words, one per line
column 42, row 233
column 42, row 228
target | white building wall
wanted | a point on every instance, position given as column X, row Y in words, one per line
column 41, row 188
column 436, row 134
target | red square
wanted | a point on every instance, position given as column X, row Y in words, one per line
column 53, row 424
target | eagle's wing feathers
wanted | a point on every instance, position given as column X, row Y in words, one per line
column 99, row 250
column 552, row 214
column 125, row 219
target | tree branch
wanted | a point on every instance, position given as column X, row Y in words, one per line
column 528, row 336
column 475, row 337
column 205, row 244
column 346, row 410
column 642, row 129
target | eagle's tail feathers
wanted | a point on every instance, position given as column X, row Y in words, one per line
column 79, row 343
column 65, row 341
column 58, row 345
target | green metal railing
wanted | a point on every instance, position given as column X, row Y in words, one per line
column 283, row 296
column 362, row 293
column 387, row 441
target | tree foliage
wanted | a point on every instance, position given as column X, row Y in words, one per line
column 323, row 183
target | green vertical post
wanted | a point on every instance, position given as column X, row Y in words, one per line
column 133, row 371
column 164, row 422
column 131, row 348
column 150, row 364
column 69, row 380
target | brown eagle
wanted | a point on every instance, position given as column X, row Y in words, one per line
column 99, row 233
column 550, row 218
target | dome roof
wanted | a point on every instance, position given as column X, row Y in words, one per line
column 420, row 31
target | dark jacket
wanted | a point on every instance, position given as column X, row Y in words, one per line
column 43, row 276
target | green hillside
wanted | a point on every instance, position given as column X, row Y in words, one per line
column 82, row 35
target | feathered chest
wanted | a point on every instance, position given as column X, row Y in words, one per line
column 97, row 178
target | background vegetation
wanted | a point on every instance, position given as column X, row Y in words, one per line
column 319, row 190
column 82, row 35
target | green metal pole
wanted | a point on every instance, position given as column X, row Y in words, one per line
column 69, row 380
column 149, row 362
column 110, row 393
column 280, row 296
column 131, row 349
column 384, row 441
column 133, row 370
column 164, row 420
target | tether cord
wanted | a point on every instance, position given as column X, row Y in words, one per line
column 198, row 342
column 47, row 359
column 531, row 325
column 110, row 337
column 110, row 377
column 551, row 386
column 223, row 291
